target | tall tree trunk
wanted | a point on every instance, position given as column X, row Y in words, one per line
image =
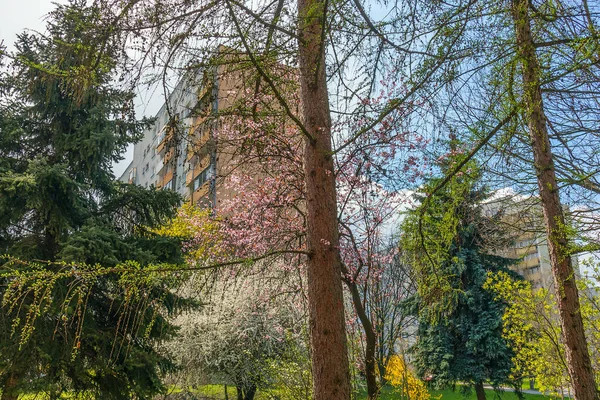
column 576, row 349
column 331, row 372
column 480, row 391
column 370, row 339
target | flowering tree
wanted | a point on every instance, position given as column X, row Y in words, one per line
column 262, row 211
column 372, row 175
column 243, row 327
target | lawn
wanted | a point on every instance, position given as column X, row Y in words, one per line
column 490, row 394
column 388, row 394
column 217, row 392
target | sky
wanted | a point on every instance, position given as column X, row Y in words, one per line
column 16, row 16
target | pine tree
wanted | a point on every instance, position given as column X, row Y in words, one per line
column 62, row 125
column 460, row 323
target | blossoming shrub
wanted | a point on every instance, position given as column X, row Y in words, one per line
column 404, row 381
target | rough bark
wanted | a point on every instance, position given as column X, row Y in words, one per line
column 480, row 391
column 370, row 342
column 331, row 376
column 576, row 349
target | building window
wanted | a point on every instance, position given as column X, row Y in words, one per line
column 533, row 270
column 168, row 185
column 201, row 179
column 525, row 243
column 161, row 136
column 132, row 176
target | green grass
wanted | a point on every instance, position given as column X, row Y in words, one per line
column 448, row 394
column 217, row 392
column 490, row 394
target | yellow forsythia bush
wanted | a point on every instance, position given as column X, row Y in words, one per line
column 199, row 231
column 404, row 381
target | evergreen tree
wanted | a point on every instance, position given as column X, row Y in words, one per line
column 460, row 323
column 70, row 322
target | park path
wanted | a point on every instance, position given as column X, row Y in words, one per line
column 527, row 391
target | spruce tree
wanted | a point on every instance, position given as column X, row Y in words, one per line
column 459, row 336
column 65, row 220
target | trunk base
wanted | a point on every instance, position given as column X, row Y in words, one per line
column 480, row 391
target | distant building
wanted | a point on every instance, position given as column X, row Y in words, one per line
column 179, row 151
column 153, row 164
column 524, row 222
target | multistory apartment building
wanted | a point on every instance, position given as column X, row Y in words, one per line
column 523, row 220
column 154, row 163
column 178, row 152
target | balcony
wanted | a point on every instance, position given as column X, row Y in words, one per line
column 196, row 170
column 199, row 194
column 165, row 176
column 198, row 149
column 169, row 155
column 529, row 263
column 166, row 138
column 132, row 176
